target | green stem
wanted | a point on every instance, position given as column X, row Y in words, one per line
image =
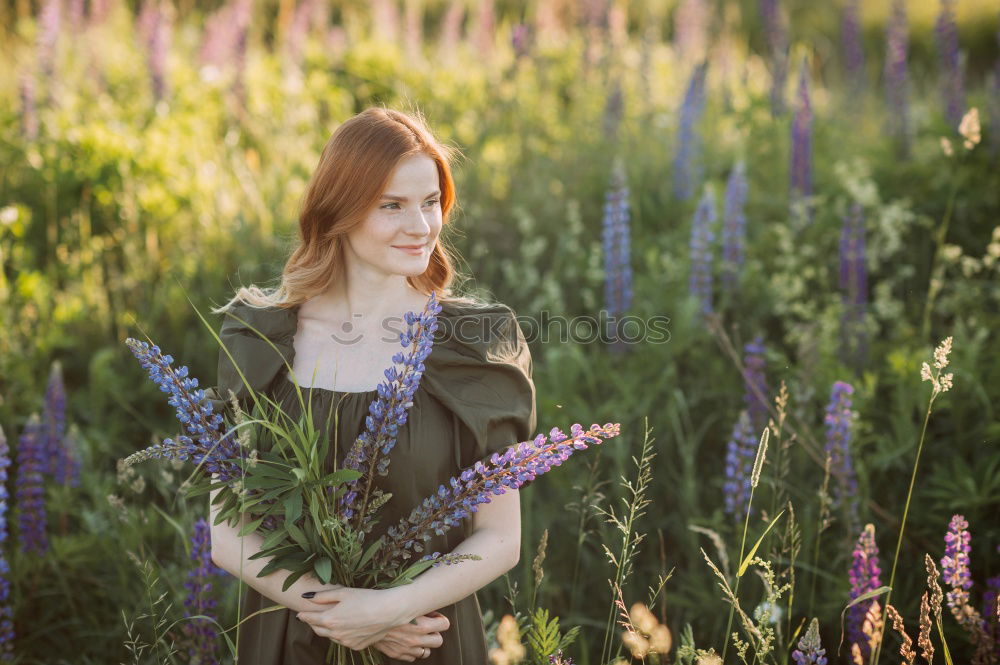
column 932, row 290
column 902, row 525
column 736, row 585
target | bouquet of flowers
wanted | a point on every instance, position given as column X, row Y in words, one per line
column 271, row 469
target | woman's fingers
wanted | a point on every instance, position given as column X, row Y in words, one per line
column 435, row 624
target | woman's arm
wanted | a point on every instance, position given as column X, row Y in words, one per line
column 496, row 537
column 229, row 551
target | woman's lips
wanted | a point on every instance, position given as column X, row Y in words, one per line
column 415, row 251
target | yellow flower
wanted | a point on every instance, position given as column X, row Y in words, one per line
column 969, row 128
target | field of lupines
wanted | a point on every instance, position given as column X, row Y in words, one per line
column 808, row 192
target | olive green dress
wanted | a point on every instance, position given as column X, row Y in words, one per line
column 476, row 397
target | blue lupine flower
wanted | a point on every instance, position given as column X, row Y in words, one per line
column 755, row 390
column 864, row 577
column 211, row 446
column 700, row 279
column 734, row 224
column 200, row 633
column 458, row 498
column 30, row 491
column 388, row 412
column 810, row 651
column 687, row 158
column 946, row 34
column 896, row 76
column 800, row 171
column 6, row 612
column 741, row 450
column 777, row 42
column 617, row 252
column 854, row 287
column 838, row 445
column 850, row 37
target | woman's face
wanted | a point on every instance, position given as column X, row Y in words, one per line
column 408, row 215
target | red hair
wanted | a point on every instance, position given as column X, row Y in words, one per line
column 354, row 170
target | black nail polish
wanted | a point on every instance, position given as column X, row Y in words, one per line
column 309, row 594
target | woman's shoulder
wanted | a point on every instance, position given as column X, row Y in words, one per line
column 487, row 330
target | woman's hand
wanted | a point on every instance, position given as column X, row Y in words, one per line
column 357, row 618
column 413, row 641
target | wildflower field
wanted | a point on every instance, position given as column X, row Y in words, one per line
column 791, row 209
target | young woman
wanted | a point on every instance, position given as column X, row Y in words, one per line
column 369, row 251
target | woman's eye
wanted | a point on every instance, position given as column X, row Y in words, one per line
column 396, row 204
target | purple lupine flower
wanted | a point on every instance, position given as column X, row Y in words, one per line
column 458, row 498
column 157, row 43
column 810, row 651
column 29, row 109
column 777, row 42
column 734, row 224
column 388, row 412
column 850, row 37
column 700, row 278
column 68, row 471
column 613, row 108
column 690, row 28
column 200, row 634
column 6, row 612
column 61, row 462
column 48, row 37
column 212, row 446
column 242, row 16
column 946, row 36
column 800, row 170
column 99, row 10
column 755, row 383
column 991, row 611
column 741, row 451
column 896, row 75
column 617, row 251
column 864, row 577
column 298, row 31
column 520, row 35
column 854, row 287
column 838, row 445
column 53, row 430
column 955, row 564
column 76, row 15
column 687, row 158
column 30, row 491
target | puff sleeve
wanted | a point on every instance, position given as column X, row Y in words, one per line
column 481, row 370
column 256, row 358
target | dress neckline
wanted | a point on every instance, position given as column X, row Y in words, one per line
column 292, row 384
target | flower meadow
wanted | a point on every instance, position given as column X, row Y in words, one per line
column 807, row 468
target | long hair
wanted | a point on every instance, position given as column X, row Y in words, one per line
column 354, row 169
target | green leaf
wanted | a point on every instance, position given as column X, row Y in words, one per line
column 324, row 569
column 753, row 550
column 860, row 599
column 293, row 506
column 296, row 534
column 250, row 528
column 300, row 474
column 274, row 539
column 291, row 579
column 374, row 547
column 340, row 476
